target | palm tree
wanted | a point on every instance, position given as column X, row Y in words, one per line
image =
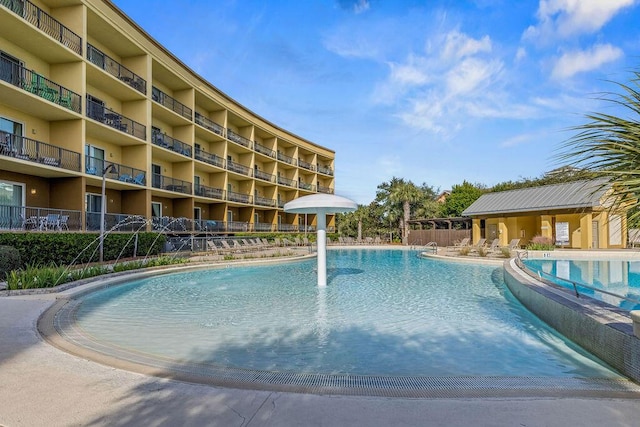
column 608, row 146
column 404, row 193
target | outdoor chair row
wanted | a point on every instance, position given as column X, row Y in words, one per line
column 238, row 246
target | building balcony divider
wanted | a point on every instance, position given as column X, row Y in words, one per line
column 326, row 190
column 115, row 120
column 264, row 176
column 264, row 201
column 165, row 141
column 238, row 139
column 264, row 150
column 306, row 165
column 39, row 85
column 113, row 67
column 31, row 150
column 209, row 124
column 287, row 159
column 238, row 168
column 325, row 170
column 232, row 196
column 306, row 186
column 286, row 181
column 45, row 22
column 210, row 158
column 171, row 103
column 28, row 218
column 95, row 166
column 171, row 184
column 210, row 192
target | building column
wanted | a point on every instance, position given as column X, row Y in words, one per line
column 586, row 235
column 546, row 226
column 503, row 231
column 475, row 230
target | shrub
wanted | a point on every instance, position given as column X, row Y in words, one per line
column 464, row 250
column 483, row 252
column 506, row 252
column 541, row 243
column 9, row 260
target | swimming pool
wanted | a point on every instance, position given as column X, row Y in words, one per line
column 618, row 277
column 383, row 313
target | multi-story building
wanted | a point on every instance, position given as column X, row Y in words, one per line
column 92, row 107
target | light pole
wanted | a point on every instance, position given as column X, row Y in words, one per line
column 103, row 207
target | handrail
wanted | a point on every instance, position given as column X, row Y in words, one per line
column 539, row 274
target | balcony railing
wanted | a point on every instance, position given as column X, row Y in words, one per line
column 284, row 158
column 165, row 141
column 45, row 22
column 263, row 201
column 113, row 67
column 287, row 227
column 210, row 192
column 210, row 158
column 170, row 184
column 116, row 222
column 232, row 196
column 38, row 152
column 115, row 120
column 95, row 166
column 323, row 189
column 29, row 218
column 286, row 181
column 171, row 103
column 264, row 176
column 325, row 170
column 33, row 82
column 237, row 226
column 238, row 168
column 264, row 150
column 306, row 186
column 209, row 124
column 232, row 136
column 263, row 226
column 306, row 165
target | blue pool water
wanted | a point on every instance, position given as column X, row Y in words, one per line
column 384, row 312
column 614, row 276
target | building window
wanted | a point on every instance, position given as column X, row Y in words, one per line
column 94, row 160
column 156, row 209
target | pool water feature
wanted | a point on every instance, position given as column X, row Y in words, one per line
column 383, row 313
column 618, row 277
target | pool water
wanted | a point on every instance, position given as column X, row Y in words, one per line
column 614, row 276
column 383, row 312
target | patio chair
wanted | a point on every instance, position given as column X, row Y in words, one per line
column 481, row 244
column 494, row 246
column 64, row 219
column 52, row 222
column 139, row 179
column 125, row 177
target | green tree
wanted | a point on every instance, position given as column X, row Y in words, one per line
column 399, row 197
column 461, row 197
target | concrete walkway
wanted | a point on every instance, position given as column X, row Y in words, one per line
column 43, row 386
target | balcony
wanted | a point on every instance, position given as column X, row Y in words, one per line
column 305, row 186
column 210, row 158
column 263, row 201
column 284, row 158
column 113, row 67
column 325, row 170
column 264, row 150
column 239, row 197
column 95, row 166
column 264, row 176
column 238, row 168
column 171, row 103
column 209, row 124
column 27, row 218
column 38, row 85
column 116, row 222
column 210, row 192
column 171, row 184
column 287, row 227
column 241, row 140
column 306, row 165
column 34, row 151
column 107, row 116
column 286, row 181
column 165, row 141
column 263, row 226
column 45, row 22
column 326, row 190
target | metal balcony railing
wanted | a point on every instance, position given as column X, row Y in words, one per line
column 263, row 226
column 323, row 189
column 232, row 196
column 238, row 168
column 38, row 85
column 264, row 176
column 170, row 184
column 325, row 170
column 165, row 141
column 28, row 218
column 210, row 192
column 286, row 181
column 31, row 150
column 95, row 166
column 306, row 186
column 264, row 150
column 237, row 226
column 115, row 120
column 45, row 22
column 209, row 124
column 116, row 222
column 210, row 158
column 287, row 227
column 284, row 158
column 171, row 103
column 264, row 201
column 113, row 67
column 306, row 165
column 238, row 139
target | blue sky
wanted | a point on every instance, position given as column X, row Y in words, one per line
column 433, row 91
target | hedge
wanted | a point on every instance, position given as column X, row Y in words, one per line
column 79, row 248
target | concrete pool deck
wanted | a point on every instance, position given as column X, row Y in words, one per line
column 41, row 385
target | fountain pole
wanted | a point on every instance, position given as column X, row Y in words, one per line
column 321, row 238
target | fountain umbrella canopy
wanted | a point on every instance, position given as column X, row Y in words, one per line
column 321, row 205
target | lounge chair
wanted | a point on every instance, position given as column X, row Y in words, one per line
column 494, row 246
column 481, row 244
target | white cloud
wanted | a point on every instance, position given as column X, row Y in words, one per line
column 472, row 74
column 458, row 45
column 361, row 6
column 521, row 54
column 572, row 63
